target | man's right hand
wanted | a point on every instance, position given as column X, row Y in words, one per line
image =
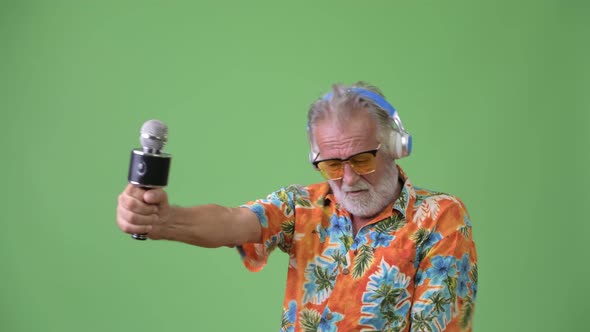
column 141, row 211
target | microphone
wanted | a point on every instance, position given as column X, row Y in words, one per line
column 149, row 166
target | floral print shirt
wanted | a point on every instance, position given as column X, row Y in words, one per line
column 412, row 268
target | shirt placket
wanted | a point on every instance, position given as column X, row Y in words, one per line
column 343, row 273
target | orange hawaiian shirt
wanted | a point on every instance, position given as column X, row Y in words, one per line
column 412, row 268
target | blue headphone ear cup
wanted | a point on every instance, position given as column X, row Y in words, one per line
column 407, row 144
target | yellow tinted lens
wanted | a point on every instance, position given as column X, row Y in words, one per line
column 363, row 163
column 331, row 169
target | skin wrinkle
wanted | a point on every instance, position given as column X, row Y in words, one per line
column 344, row 105
column 330, row 269
column 378, row 189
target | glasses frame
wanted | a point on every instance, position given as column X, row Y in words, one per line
column 315, row 162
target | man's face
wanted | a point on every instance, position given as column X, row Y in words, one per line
column 361, row 195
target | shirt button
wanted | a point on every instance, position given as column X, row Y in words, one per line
column 346, row 270
column 329, row 316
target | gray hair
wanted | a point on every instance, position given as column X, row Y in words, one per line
column 345, row 103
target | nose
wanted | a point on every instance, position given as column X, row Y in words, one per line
column 350, row 177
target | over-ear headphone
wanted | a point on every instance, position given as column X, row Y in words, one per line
column 400, row 140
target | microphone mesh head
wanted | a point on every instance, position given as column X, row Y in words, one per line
column 154, row 134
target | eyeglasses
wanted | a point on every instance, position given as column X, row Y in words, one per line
column 361, row 163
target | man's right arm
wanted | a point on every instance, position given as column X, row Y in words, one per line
column 147, row 211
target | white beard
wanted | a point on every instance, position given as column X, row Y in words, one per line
column 368, row 203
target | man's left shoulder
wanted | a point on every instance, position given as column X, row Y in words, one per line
column 441, row 211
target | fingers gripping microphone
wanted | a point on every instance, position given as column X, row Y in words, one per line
column 149, row 166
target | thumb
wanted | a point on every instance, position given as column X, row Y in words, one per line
column 155, row 196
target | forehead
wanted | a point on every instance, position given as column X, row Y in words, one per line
column 342, row 138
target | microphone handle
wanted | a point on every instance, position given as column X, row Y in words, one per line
column 143, row 236
column 148, row 171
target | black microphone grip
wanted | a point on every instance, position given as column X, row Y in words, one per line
column 148, row 170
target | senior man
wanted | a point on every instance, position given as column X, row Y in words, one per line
column 367, row 250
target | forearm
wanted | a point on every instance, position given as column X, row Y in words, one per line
column 209, row 226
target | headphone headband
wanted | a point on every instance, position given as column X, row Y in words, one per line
column 401, row 140
column 372, row 96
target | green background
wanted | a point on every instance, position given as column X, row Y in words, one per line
column 495, row 94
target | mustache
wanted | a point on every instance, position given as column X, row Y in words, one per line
column 357, row 186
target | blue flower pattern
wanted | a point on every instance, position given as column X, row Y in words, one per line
column 403, row 284
column 442, row 267
column 381, row 239
column 372, row 309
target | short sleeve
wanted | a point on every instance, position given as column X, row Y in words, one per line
column 446, row 279
column 276, row 214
